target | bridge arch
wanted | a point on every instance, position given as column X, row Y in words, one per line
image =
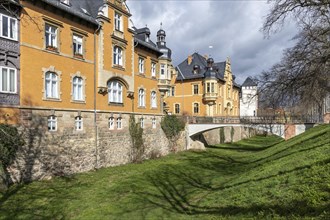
column 197, row 129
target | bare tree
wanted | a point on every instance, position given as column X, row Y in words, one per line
column 302, row 77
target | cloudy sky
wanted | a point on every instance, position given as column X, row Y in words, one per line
column 231, row 27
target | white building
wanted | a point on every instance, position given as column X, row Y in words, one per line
column 249, row 98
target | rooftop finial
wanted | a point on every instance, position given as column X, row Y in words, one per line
column 161, row 25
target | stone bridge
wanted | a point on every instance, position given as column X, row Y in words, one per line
column 283, row 128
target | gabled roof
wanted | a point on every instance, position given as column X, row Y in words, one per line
column 249, row 82
column 198, row 60
column 84, row 9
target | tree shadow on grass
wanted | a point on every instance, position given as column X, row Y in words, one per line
column 40, row 201
column 185, row 192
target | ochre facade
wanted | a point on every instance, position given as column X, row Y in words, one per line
column 196, row 94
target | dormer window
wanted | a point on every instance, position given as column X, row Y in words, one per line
column 65, row 2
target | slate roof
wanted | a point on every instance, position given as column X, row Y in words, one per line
column 84, row 9
column 186, row 70
column 140, row 38
column 249, row 82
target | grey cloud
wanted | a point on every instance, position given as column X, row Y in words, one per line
column 231, row 27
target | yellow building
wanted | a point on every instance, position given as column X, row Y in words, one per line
column 203, row 88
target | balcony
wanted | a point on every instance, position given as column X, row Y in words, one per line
column 210, row 97
column 164, row 85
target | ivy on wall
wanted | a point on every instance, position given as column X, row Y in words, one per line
column 10, row 141
column 136, row 133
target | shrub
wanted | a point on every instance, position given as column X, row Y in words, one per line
column 172, row 126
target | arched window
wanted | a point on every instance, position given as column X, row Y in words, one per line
column 111, row 123
column 117, row 56
column 77, row 88
column 115, row 91
column 142, row 98
column 153, row 99
column 51, row 85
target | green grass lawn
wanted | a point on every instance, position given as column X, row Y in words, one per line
column 251, row 179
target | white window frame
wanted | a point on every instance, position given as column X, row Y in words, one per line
column 153, row 122
column 153, row 69
column 52, row 123
column 142, row 98
column 111, row 123
column 119, row 123
column 162, row 71
column 78, row 123
column 11, row 27
column 141, row 65
column 77, row 88
column 118, row 22
column 115, row 91
column 77, row 40
column 196, row 105
column 153, row 99
column 51, row 85
column 117, row 56
column 51, row 35
column 9, row 79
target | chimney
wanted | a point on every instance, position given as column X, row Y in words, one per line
column 190, row 58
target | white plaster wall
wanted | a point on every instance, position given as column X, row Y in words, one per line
column 249, row 101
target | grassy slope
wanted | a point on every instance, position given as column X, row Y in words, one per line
column 250, row 179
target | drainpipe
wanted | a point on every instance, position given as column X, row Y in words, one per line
column 95, row 92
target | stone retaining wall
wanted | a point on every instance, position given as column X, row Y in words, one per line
column 67, row 151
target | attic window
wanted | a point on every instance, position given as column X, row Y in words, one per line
column 196, row 69
column 85, row 11
column 66, row 2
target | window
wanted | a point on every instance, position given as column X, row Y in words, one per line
column 177, row 108
column 153, row 69
column 119, row 123
column 173, row 91
column 212, row 87
column 52, row 123
column 196, row 108
column 153, row 99
column 51, row 37
column 208, row 88
column 77, row 87
column 195, row 89
column 77, row 45
column 117, row 56
column 141, row 65
column 142, row 122
column 142, row 102
column 111, row 123
column 153, row 122
column 115, row 91
column 78, row 123
column 51, row 85
column 118, row 22
column 8, row 27
column 8, row 80
column 162, row 70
